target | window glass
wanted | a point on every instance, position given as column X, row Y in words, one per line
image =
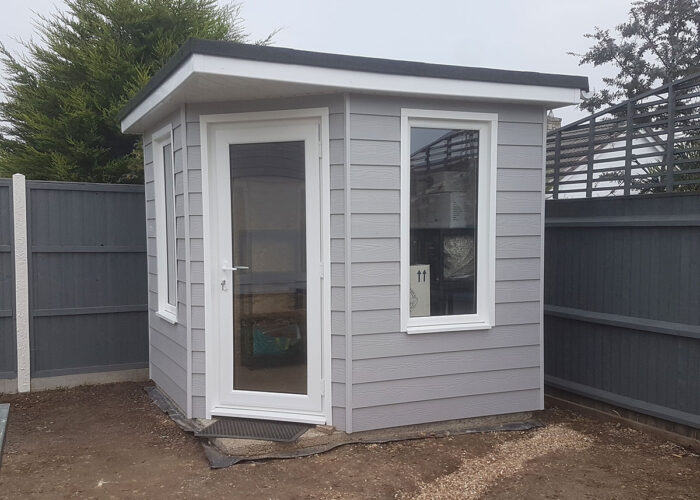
column 443, row 221
column 170, row 222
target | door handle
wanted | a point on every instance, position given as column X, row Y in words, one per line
column 234, row 268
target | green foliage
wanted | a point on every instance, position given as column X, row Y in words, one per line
column 63, row 95
column 658, row 44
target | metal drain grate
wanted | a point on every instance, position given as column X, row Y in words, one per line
column 247, row 428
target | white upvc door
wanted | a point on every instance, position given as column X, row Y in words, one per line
column 265, row 269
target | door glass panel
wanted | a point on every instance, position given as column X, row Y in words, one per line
column 268, row 214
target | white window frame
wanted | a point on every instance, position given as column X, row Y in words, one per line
column 161, row 139
column 487, row 125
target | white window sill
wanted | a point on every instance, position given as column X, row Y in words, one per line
column 167, row 316
column 453, row 327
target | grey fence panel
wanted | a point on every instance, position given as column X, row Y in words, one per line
column 88, row 279
column 8, row 350
column 622, row 301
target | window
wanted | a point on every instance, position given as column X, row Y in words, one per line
column 448, row 180
column 164, row 179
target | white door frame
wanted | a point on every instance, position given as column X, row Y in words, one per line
column 212, row 264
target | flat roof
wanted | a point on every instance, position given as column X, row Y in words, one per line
column 282, row 55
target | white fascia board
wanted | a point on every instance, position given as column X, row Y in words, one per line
column 350, row 81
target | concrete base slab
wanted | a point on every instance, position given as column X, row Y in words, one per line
column 317, row 440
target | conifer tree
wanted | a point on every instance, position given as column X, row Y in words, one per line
column 60, row 99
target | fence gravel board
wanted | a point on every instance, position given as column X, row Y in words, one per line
column 622, row 288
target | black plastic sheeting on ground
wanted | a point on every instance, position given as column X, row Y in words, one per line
column 217, row 460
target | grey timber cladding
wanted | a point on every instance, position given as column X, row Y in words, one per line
column 168, row 342
column 8, row 349
column 87, row 268
column 380, row 376
column 622, row 322
column 399, row 379
column 196, row 244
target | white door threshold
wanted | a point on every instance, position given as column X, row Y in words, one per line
column 284, row 416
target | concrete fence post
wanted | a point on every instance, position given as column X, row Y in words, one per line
column 19, row 197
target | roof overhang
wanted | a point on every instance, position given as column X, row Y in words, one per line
column 198, row 77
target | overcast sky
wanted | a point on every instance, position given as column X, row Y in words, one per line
column 532, row 35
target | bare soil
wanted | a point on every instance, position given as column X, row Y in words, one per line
column 111, row 442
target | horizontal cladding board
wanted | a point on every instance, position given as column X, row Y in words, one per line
column 518, row 269
column 193, row 137
column 334, row 103
column 194, row 164
column 364, row 152
column 444, row 386
column 518, row 225
column 337, row 178
column 338, row 347
column 199, row 387
column 375, row 225
column 198, row 362
column 336, row 125
column 173, row 390
column 338, row 416
column 384, row 295
column 444, row 363
column 175, row 372
column 520, row 134
column 518, row 291
column 337, row 151
column 518, row 313
column 337, row 323
column 514, row 202
column 518, row 247
column 375, row 127
column 199, row 407
column 337, row 274
column 337, row 203
column 198, row 339
column 167, row 346
column 368, row 318
column 337, row 250
column 375, row 177
column 376, row 321
column 375, row 201
column 519, row 179
column 375, row 297
column 391, row 106
column 383, row 345
column 337, row 226
column 509, row 156
column 337, row 299
column 375, row 273
column 177, row 335
column 197, row 315
column 338, row 394
column 338, row 369
column 375, row 249
column 378, row 417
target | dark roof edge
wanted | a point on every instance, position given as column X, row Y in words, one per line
column 353, row 63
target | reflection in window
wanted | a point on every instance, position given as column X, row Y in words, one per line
column 170, row 222
column 443, row 221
